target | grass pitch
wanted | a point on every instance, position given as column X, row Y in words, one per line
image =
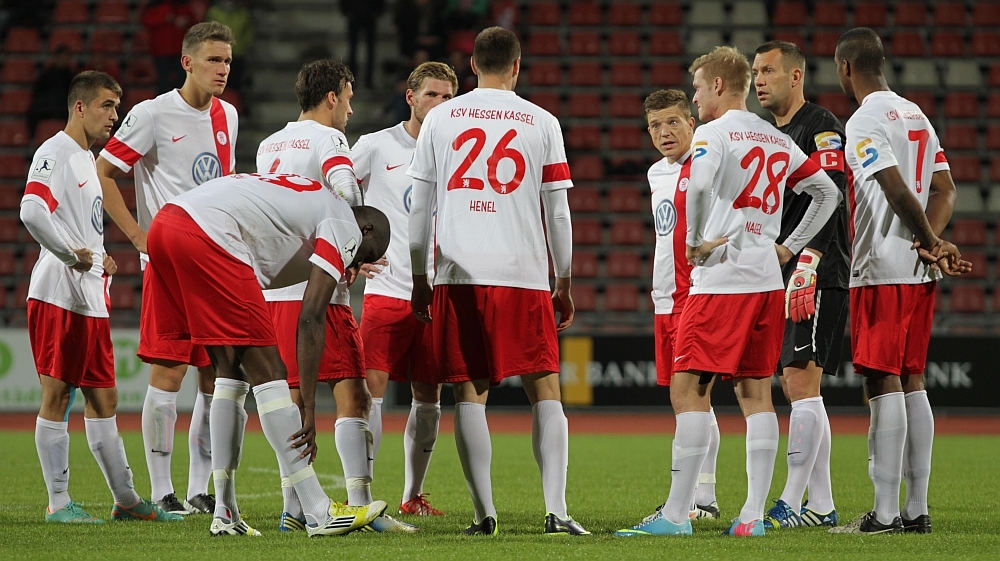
column 614, row 480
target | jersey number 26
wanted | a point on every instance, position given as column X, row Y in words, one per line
column 500, row 152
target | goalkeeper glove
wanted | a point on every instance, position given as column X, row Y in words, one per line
column 800, row 295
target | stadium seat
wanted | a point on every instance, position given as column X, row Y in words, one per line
column 63, row 37
column 968, row 199
column 585, row 264
column 626, row 137
column 128, row 194
column 910, row 14
column 951, row 14
column 986, row 13
column 584, row 297
column 995, row 173
column 462, row 41
column 586, row 105
column 108, row 41
column 585, row 74
column 123, row 296
column 838, row 103
column 628, row 231
column 968, row 298
column 105, row 63
column 789, row 13
column 621, row 297
column 702, row 41
column 46, row 129
column 960, row 137
column 993, row 137
column 749, row 13
column 585, row 43
column 112, row 12
column 968, row 232
column 547, row 101
column 587, row 231
column 6, row 262
column 22, row 40
column 924, row 100
column 965, row 168
column 980, row 266
column 706, row 12
column 986, row 44
column 140, row 42
column 13, row 132
column 792, row 36
column 870, row 14
column 623, row 265
column 625, row 105
column 908, row 44
column 826, row 73
column 583, row 137
column 505, row 13
column 10, row 227
column 626, row 74
column 587, row 168
column 746, row 40
column 919, row 73
column 18, row 70
column 584, row 199
column 625, row 13
column 963, row 74
column 114, row 234
column 232, row 96
column 665, row 43
column 624, row 43
column 127, row 261
column 544, row 13
column 994, row 75
column 585, row 13
column 824, row 43
column 70, row 11
column 627, row 199
column 544, row 74
column 10, row 197
column 544, row 43
column 961, row 104
column 15, row 101
column 829, row 14
column 669, row 74
column 993, row 205
column 13, row 165
column 141, row 71
column 948, row 43
column 19, row 300
column 666, row 14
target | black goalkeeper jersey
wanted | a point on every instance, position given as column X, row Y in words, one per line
column 821, row 136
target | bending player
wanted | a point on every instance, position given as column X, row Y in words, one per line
column 211, row 251
column 490, row 265
column 816, row 282
column 397, row 345
column 68, row 305
column 893, row 153
column 163, row 138
column 315, row 147
column 740, row 167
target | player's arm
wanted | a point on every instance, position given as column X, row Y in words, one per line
column 940, row 206
column 38, row 219
column 338, row 170
column 421, row 216
column 706, row 159
column 831, row 160
column 560, row 236
column 114, row 204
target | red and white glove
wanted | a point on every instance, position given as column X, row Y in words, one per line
column 800, row 295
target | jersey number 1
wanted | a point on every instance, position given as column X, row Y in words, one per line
column 771, row 200
column 500, row 151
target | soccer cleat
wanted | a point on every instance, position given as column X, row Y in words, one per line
column 169, row 503
column 919, row 525
column 705, row 511
column 344, row 519
column 812, row 518
column 868, row 524
column 555, row 526
column 418, row 506
column 144, row 510
column 291, row 524
column 488, row 527
column 200, row 504
column 656, row 525
column 781, row 516
column 754, row 528
column 71, row 514
column 388, row 524
column 238, row 528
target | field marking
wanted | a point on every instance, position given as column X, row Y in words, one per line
column 330, row 480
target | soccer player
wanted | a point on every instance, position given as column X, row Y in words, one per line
column 68, row 305
column 397, row 345
column 488, row 160
column 176, row 142
column 211, row 250
column 671, row 126
column 816, row 282
column 315, row 147
column 733, row 319
column 902, row 197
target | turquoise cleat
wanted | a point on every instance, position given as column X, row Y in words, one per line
column 144, row 510
column 656, row 525
column 754, row 528
column 71, row 514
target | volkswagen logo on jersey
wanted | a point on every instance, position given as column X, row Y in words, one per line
column 206, row 166
column 407, row 197
column 666, row 217
column 97, row 215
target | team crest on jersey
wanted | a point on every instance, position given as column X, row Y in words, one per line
column 205, row 167
column 866, row 152
column 666, row 217
column 349, row 249
column 828, row 140
column 682, row 185
column 43, row 169
column 407, row 198
column 700, row 148
column 221, row 138
column 97, row 215
column 127, row 125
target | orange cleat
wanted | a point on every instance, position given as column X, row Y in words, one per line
column 418, row 506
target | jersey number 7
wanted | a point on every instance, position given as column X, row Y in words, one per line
column 500, row 151
column 920, row 136
column 771, row 200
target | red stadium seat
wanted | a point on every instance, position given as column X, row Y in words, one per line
column 870, row 14
column 585, row 74
column 960, row 137
column 544, row 43
column 70, row 39
column 624, row 43
column 583, row 137
column 621, row 298
column 544, row 74
column 122, row 296
column 628, row 231
column 625, row 105
column 980, row 266
column 993, row 138
column 824, row 43
column 9, row 229
column 584, row 105
column 626, row 74
column 13, row 132
column 623, row 265
column 626, row 137
column 19, row 300
column 961, row 104
column 584, row 264
column 112, row 11
column 587, row 168
column 968, row 232
column 790, row 35
column 625, row 13
column 15, row 101
column 585, row 13
column 986, row 13
column 584, row 297
column 13, row 165
column 965, row 168
column 948, row 43
column 665, row 43
column 788, row 13
column 968, row 298
column 924, row 100
column 6, row 262
column 232, row 96
column 950, row 14
column 664, row 14
column 141, row 71
column 29, row 259
column 547, row 101
column 829, row 14
column 506, row 13
column 140, row 42
column 10, row 198
column 585, row 43
column 135, row 95
column 46, row 129
column 114, row 234
column 668, row 74
column 544, row 13
column 995, row 174
column 22, row 40
column 838, row 104
column 986, row 43
column 587, row 231
column 908, row 43
column 127, row 261
column 584, row 199
column 624, row 199
column 128, row 194
column 910, row 14
column 71, row 11
column 109, row 41
column 18, row 71
column 993, row 78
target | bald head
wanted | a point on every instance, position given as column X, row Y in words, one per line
column 862, row 48
column 374, row 235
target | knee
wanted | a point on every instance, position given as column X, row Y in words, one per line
column 426, row 393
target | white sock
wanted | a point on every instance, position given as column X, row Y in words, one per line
column 805, row 431
column 109, row 451
column 375, row 425
column 886, row 440
column 354, row 445
column 704, row 494
column 418, row 445
column 917, row 453
column 228, row 422
column 472, row 438
column 820, row 486
column 52, row 443
column 200, row 445
column 280, row 419
column 550, row 443
column 691, row 441
column 762, row 447
column 159, row 415
column 290, row 500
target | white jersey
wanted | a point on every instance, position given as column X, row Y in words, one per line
column 380, row 161
column 63, row 177
column 491, row 154
column 276, row 223
column 318, row 152
column 750, row 164
column 888, row 130
column 174, row 148
column 671, row 271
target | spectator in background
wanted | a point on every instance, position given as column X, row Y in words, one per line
column 467, row 81
column 238, row 18
column 418, row 27
column 167, row 22
column 466, row 14
column 361, row 19
column 50, row 90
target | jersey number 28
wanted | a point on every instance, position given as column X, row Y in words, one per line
column 500, row 152
column 771, row 199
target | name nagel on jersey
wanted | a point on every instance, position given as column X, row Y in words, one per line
column 493, row 115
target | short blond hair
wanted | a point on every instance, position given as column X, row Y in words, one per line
column 432, row 71
column 727, row 63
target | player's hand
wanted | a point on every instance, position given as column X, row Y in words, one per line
column 800, row 295
column 698, row 255
column 562, row 302
column 306, row 438
column 350, row 275
column 420, row 299
column 944, row 257
column 784, row 254
column 85, row 260
column 370, row 270
column 110, row 267
column 139, row 241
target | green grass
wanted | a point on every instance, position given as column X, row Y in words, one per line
column 613, row 482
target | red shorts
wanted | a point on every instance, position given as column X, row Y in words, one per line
column 152, row 346
column 71, row 347
column 343, row 354
column 738, row 335
column 891, row 327
column 197, row 291
column 396, row 341
column 492, row 332
column 665, row 335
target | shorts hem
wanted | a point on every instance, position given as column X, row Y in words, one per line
column 149, row 358
column 104, row 384
column 860, row 368
column 234, row 342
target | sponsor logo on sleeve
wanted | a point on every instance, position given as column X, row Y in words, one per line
column 127, row 125
column 700, row 148
column 828, row 140
column 43, row 169
column 205, row 167
column 866, row 152
column 666, row 217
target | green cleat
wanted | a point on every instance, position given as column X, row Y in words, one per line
column 71, row 514
column 144, row 510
